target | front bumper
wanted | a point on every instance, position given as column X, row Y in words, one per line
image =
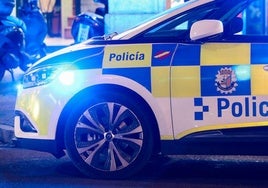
column 24, row 126
column 23, row 123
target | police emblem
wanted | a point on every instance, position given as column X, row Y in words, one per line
column 226, row 81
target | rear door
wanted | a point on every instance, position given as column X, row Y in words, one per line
column 224, row 88
column 221, row 83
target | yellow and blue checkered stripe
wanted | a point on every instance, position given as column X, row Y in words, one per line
column 247, row 60
column 147, row 64
column 194, row 67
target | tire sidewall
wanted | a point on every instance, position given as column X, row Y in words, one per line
column 85, row 103
column 2, row 72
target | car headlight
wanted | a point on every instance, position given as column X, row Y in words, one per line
column 41, row 76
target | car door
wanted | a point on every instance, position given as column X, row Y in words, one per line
column 210, row 87
column 220, row 85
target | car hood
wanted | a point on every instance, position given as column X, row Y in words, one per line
column 71, row 55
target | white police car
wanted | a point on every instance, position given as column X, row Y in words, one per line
column 190, row 81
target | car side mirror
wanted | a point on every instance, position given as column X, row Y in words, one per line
column 205, row 28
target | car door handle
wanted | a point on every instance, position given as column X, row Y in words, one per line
column 265, row 67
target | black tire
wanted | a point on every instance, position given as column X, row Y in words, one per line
column 2, row 72
column 108, row 136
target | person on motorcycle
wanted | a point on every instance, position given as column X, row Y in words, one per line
column 6, row 7
column 11, row 38
column 36, row 33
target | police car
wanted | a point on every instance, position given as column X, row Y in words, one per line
column 192, row 80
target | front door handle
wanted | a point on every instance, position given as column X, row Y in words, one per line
column 265, row 67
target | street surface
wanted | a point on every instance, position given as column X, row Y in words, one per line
column 26, row 168
column 7, row 99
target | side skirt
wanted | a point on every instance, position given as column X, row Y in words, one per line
column 242, row 141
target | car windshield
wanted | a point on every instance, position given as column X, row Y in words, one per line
column 151, row 20
column 177, row 21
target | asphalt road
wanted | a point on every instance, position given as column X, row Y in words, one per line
column 7, row 100
column 8, row 92
column 24, row 168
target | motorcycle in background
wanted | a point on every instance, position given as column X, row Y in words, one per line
column 22, row 39
column 36, row 26
column 89, row 24
column 12, row 41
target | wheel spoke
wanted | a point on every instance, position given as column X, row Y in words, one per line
column 89, row 159
column 127, row 136
column 114, row 152
column 92, row 147
column 93, row 121
column 81, row 125
column 119, row 113
column 112, row 157
column 134, row 131
column 111, row 111
column 108, row 136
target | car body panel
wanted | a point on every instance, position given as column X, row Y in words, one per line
column 148, row 66
column 193, row 88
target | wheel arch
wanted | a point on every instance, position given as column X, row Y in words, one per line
column 102, row 88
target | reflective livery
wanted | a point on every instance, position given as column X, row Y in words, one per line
column 181, row 83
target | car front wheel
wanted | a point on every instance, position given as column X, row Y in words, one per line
column 108, row 136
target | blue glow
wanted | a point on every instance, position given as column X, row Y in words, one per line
column 19, row 87
column 67, row 78
column 242, row 72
